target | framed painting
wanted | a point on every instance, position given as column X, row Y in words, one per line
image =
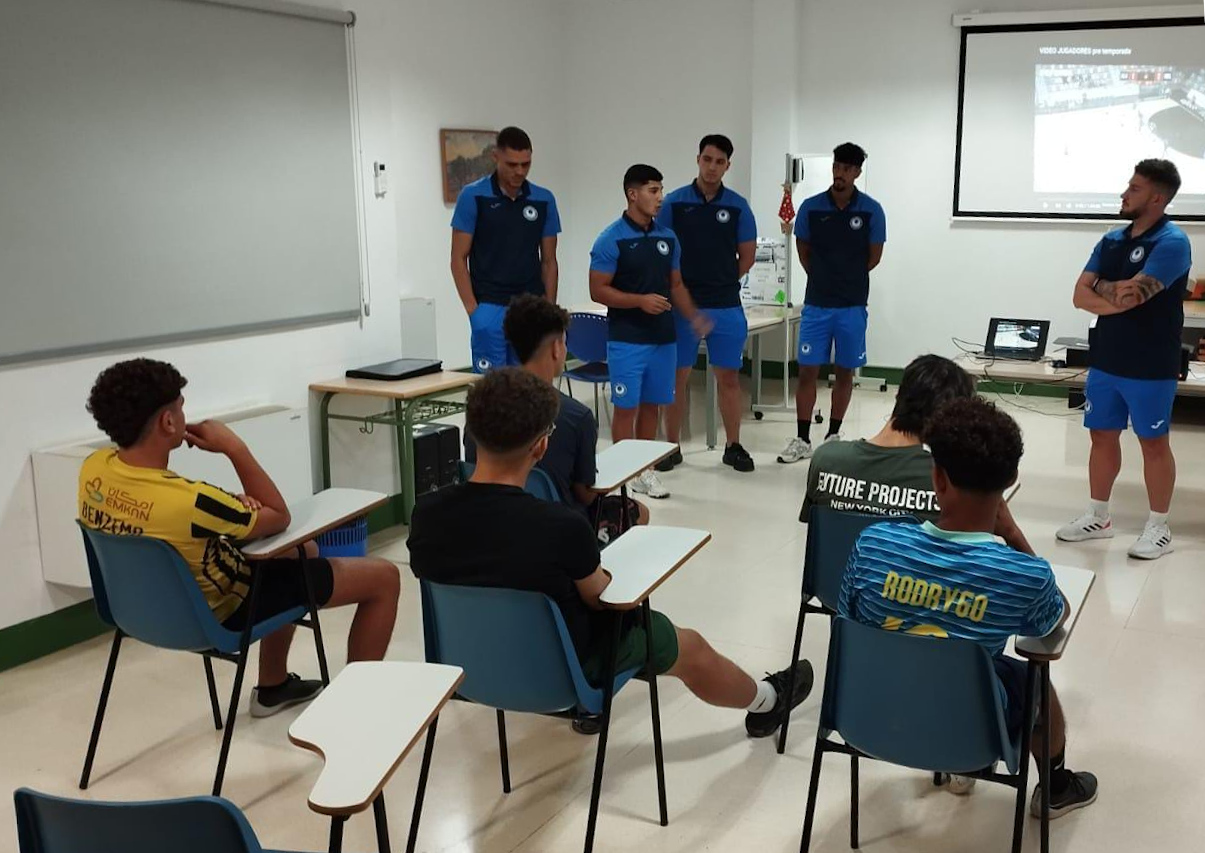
column 466, row 155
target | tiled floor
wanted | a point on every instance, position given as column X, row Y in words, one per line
column 1132, row 683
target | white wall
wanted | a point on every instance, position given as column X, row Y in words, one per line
column 897, row 97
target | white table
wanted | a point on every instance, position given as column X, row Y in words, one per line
column 363, row 726
column 1041, row 373
column 625, row 460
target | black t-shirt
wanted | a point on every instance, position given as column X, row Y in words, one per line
column 571, row 450
column 481, row 534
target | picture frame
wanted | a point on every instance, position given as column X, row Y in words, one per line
column 465, row 156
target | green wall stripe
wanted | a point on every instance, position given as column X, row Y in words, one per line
column 35, row 638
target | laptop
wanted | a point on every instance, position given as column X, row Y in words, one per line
column 401, row 368
column 1020, row 340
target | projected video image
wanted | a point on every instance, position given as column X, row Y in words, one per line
column 1090, row 118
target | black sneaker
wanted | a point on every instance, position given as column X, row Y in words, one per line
column 266, row 701
column 767, row 723
column 668, row 463
column 738, row 457
column 587, row 724
column 1080, row 792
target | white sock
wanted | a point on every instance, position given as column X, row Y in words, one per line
column 1100, row 509
column 1157, row 518
column 765, row 700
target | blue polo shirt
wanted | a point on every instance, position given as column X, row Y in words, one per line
column 709, row 232
column 504, row 260
column 641, row 261
column 840, row 241
column 1144, row 342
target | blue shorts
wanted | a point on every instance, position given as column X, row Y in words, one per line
column 488, row 342
column 1144, row 403
column 641, row 373
column 725, row 341
column 821, row 328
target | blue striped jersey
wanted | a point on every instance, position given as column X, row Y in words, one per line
column 924, row 580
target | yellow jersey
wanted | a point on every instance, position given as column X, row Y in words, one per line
column 197, row 519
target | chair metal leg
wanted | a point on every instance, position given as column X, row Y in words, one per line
column 227, row 735
column 422, row 786
column 213, row 693
column 314, row 624
column 100, row 709
column 601, row 755
column 336, row 842
column 786, row 721
column 658, row 754
column 596, row 410
column 1044, row 776
column 853, row 802
column 813, row 788
column 1023, row 760
column 378, row 813
column 502, row 751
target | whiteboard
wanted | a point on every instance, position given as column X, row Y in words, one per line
column 171, row 169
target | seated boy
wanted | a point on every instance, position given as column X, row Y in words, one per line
column 535, row 329
column 489, row 532
column 131, row 491
column 892, row 473
column 976, row 449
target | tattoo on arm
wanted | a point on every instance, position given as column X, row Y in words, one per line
column 1147, row 287
column 1107, row 289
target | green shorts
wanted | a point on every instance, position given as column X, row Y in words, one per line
column 633, row 650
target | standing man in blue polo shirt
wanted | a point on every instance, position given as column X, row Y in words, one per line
column 1134, row 282
column 635, row 270
column 718, row 236
column 839, row 235
column 504, row 234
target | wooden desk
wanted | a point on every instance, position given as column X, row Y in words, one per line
column 625, row 460
column 363, row 726
column 313, row 517
column 419, row 400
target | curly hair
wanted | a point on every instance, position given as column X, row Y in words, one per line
column 127, row 395
column 977, row 445
column 531, row 320
column 509, row 409
column 928, row 382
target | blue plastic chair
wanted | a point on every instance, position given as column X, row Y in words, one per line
column 586, row 341
column 517, row 655
column 538, row 482
column 145, row 590
column 921, row 702
column 831, row 538
column 47, row 824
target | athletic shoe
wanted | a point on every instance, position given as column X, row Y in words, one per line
column 1087, row 526
column 1155, row 541
column 1081, row 792
column 767, row 722
column 648, row 483
column 796, row 450
column 586, row 724
column 834, row 437
column 670, row 462
column 961, row 786
column 738, row 457
column 266, row 701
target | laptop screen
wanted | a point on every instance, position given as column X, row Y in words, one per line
column 1020, row 339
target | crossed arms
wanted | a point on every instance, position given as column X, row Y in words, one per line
column 1103, row 298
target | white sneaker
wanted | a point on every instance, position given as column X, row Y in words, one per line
column 1155, row 541
column 834, row 437
column 961, row 785
column 797, row 449
column 1087, row 526
column 649, row 484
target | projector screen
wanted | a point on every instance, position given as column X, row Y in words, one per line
column 1052, row 119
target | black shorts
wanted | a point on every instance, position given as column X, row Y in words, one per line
column 607, row 511
column 281, row 588
column 1013, row 674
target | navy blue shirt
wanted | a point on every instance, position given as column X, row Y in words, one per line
column 504, row 260
column 709, row 232
column 572, row 450
column 840, row 241
column 1144, row 342
column 641, row 261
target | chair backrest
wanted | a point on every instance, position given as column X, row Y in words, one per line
column 512, row 645
column 538, row 483
column 922, row 702
column 831, row 538
column 150, row 592
column 586, row 337
column 47, row 824
column 99, row 596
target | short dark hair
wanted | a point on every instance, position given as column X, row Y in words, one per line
column 977, row 445
column 639, row 175
column 513, row 138
column 128, row 395
column 530, row 321
column 849, row 154
column 509, row 409
column 927, row 383
column 717, row 140
column 1162, row 173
